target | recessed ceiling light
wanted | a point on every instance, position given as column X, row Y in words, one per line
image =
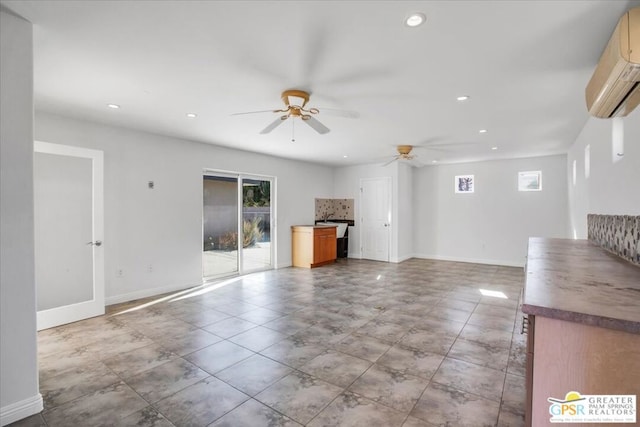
column 494, row 148
column 482, row 131
column 434, row 161
column 114, row 106
column 345, row 156
column 463, row 97
column 415, row 19
column 192, row 115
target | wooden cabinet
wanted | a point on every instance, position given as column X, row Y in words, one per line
column 313, row 246
column 571, row 356
column 531, row 333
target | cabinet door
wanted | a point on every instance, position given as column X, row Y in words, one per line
column 317, row 247
column 331, row 246
column 324, row 245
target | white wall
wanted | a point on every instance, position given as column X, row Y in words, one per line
column 404, row 212
column 163, row 227
column 492, row 224
column 347, row 186
column 19, row 395
column 612, row 188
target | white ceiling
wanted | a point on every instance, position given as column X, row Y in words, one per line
column 524, row 63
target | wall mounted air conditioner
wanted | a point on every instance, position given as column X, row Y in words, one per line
column 614, row 88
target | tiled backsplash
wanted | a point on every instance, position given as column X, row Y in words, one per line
column 334, row 209
column 619, row 234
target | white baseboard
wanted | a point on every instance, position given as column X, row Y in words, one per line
column 19, row 410
column 505, row 263
column 144, row 293
column 402, row 258
column 284, row 265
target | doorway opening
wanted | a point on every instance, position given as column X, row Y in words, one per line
column 237, row 224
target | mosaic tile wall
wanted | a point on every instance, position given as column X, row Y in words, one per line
column 619, row 234
column 334, row 209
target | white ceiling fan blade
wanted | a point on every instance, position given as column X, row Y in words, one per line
column 316, row 125
column 277, row 122
column 391, row 161
column 431, row 148
column 415, row 163
column 347, row 114
column 446, row 144
column 255, row 112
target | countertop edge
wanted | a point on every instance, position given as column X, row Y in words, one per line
column 585, row 319
column 580, row 282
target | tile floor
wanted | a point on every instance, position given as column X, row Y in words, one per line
column 358, row 343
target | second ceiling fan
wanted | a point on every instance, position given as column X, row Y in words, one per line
column 404, row 154
column 295, row 102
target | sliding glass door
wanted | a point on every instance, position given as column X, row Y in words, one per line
column 256, row 224
column 237, row 224
column 220, row 226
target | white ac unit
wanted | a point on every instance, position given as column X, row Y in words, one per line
column 614, row 88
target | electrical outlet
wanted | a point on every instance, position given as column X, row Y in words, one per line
column 119, row 272
column 150, row 268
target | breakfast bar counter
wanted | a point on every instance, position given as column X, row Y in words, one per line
column 583, row 313
column 578, row 281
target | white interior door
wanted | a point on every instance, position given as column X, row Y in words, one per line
column 68, row 216
column 375, row 213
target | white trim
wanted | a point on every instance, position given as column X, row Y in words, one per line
column 402, row 258
column 95, row 306
column 22, row 409
column 471, row 260
column 240, row 177
column 284, row 265
column 117, row 299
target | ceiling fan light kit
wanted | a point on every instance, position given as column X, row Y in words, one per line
column 295, row 101
column 404, row 154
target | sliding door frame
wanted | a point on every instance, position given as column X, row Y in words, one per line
column 240, row 177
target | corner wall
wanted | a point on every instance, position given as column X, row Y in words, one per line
column 19, row 396
column 493, row 224
column 404, row 214
column 612, row 188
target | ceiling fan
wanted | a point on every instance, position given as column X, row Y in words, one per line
column 404, row 154
column 434, row 144
column 295, row 102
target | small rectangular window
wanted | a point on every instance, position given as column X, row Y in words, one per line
column 617, row 139
column 587, row 161
column 530, row 181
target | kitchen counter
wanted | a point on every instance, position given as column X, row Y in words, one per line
column 313, row 245
column 578, row 281
column 583, row 316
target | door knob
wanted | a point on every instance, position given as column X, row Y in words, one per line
column 96, row 243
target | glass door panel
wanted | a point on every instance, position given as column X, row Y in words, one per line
column 256, row 224
column 220, row 226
